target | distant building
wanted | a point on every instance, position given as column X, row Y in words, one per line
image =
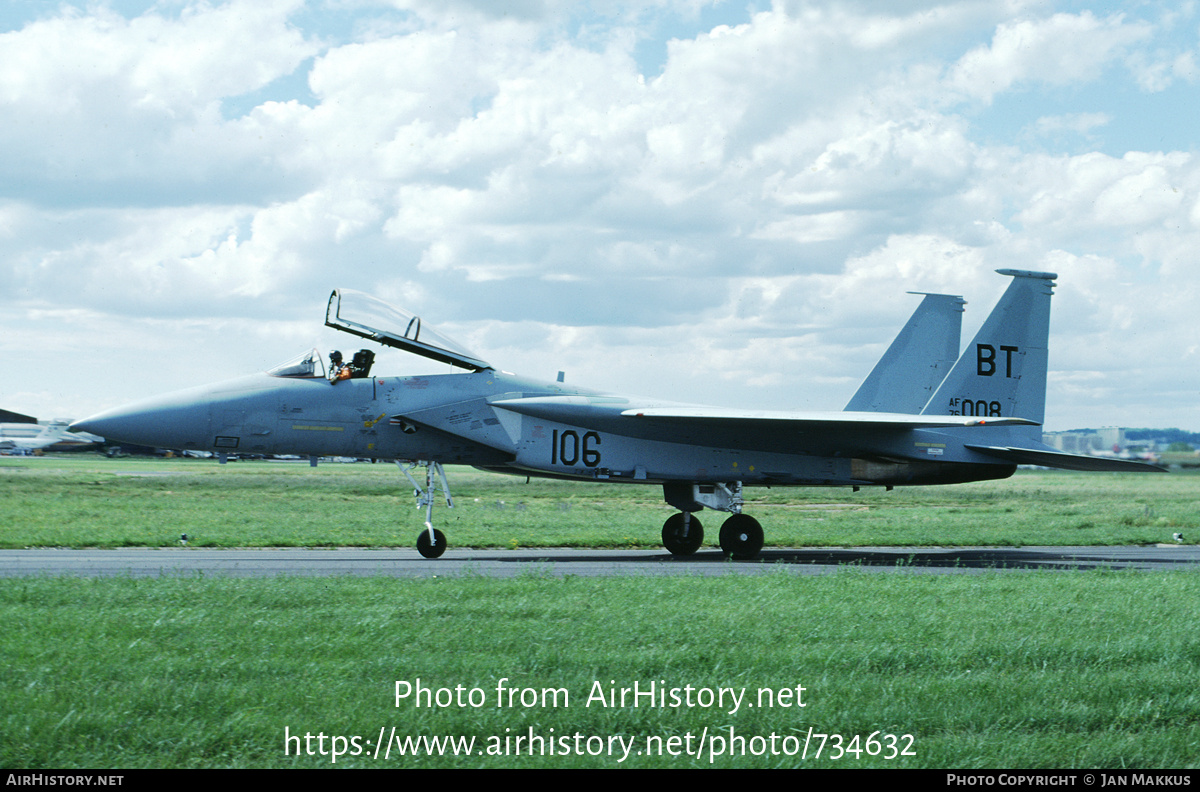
column 1111, row 437
column 1106, row 440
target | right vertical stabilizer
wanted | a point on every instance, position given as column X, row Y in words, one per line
column 1002, row 372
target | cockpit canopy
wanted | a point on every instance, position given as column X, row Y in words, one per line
column 367, row 317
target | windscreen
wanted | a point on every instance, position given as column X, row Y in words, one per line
column 306, row 364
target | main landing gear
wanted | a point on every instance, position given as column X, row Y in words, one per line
column 682, row 534
column 741, row 535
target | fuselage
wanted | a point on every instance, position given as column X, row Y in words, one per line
column 510, row 424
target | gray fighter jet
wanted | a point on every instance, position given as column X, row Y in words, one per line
column 925, row 415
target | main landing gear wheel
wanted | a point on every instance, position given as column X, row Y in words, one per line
column 673, row 539
column 432, row 549
column 741, row 537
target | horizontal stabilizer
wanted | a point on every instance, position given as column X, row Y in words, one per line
column 1058, row 459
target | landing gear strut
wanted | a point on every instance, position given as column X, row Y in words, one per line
column 682, row 534
column 431, row 542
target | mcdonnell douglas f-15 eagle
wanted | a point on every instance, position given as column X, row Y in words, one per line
column 925, row 415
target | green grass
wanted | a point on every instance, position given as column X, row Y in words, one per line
column 90, row 501
column 1014, row 670
column 1085, row 670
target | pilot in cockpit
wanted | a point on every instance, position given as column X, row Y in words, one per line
column 358, row 368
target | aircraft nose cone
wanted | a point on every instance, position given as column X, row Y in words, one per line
column 166, row 422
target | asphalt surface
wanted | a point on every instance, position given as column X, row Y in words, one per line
column 403, row 562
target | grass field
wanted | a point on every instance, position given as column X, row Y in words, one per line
column 91, row 501
column 993, row 670
column 1083, row 670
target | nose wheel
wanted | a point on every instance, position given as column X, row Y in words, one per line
column 741, row 537
column 431, row 546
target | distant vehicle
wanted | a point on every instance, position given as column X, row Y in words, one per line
column 25, row 438
column 925, row 415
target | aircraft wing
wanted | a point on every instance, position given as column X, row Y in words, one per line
column 873, row 420
column 858, row 433
column 585, row 409
column 758, row 430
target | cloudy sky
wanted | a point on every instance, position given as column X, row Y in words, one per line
column 721, row 202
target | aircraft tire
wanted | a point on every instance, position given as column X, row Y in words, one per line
column 434, row 550
column 741, row 537
column 673, row 539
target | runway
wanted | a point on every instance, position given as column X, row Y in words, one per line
column 558, row 562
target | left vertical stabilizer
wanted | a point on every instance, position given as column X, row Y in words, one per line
column 920, row 357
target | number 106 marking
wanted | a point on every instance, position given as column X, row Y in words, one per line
column 566, row 448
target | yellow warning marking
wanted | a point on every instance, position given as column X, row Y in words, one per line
column 320, row 428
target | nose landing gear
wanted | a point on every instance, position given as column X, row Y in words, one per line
column 431, row 542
